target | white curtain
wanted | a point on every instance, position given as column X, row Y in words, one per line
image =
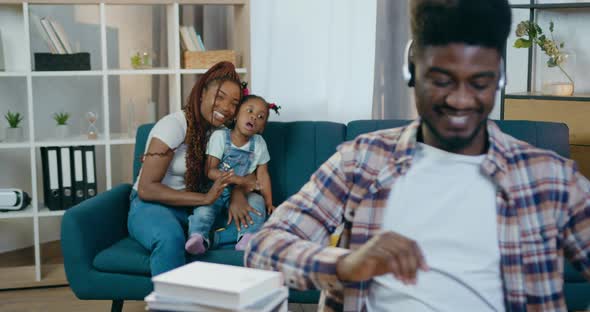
column 392, row 99
column 315, row 58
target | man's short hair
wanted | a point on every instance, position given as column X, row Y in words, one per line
column 474, row 22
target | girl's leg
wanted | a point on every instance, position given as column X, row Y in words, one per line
column 199, row 227
column 257, row 202
column 229, row 235
column 159, row 229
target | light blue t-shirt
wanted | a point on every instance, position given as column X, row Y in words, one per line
column 216, row 146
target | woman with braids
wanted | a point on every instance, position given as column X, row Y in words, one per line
column 172, row 179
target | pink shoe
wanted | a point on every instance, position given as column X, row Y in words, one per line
column 243, row 243
column 195, row 245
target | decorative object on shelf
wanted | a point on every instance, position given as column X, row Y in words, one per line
column 206, row 59
column 59, row 62
column 557, row 77
column 13, row 133
column 92, row 117
column 62, row 129
column 12, row 199
column 141, row 59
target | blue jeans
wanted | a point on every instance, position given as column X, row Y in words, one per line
column 204, row 219
column 161, row 230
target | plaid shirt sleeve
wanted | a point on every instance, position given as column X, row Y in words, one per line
column 577, row 226
column 295, row 240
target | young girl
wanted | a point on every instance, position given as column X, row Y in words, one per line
column 241, row 150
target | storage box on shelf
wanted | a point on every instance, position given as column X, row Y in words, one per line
column 206, row 59
column 112, row 32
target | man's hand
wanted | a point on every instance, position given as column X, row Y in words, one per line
column 239, row 208
column 218, row 187
column 387, row 252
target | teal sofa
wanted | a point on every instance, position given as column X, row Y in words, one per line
column 103, row 263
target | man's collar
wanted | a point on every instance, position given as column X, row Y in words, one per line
column 494, row 164
column 498, row 147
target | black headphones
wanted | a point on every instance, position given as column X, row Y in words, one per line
column 409, row 68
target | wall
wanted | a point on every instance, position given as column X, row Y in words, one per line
column 314, row 58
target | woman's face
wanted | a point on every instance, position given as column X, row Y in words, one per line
column 217, row 111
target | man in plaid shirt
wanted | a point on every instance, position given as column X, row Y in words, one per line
column 448, row 213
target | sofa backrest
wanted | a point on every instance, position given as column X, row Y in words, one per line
column 548, row 135
column 298, row 148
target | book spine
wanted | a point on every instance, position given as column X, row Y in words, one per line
column 52, row 36
column 61, row 35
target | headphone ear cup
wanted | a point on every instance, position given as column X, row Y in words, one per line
column 412, row 72
column 502, row 80
column 408, row 68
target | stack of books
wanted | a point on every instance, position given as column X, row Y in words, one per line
column 211, row 287
column 190, row 39
column 53, row 34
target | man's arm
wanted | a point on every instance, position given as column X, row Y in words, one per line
column 577, row 227
column 295, row 240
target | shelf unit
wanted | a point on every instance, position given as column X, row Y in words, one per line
column 104, row 89
column 533, row 105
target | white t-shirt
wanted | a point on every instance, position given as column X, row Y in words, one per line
column 447, row 205
column 216, row 146
column 171, row 130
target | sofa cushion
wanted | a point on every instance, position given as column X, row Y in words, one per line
column 128, row 256
column 125, row 256
column 297, row 149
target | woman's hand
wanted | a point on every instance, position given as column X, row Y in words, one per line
column 239, row 208
column 218, row 186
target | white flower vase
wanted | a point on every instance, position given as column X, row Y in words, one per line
column 559, row 80
column 13, row 134
column 62, row 131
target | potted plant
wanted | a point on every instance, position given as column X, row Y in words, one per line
column 557, row 77
column 14, row 133
column 62, row 128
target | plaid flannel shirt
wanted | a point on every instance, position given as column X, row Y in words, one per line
column 543, row 209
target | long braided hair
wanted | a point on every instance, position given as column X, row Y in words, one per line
column 196, row 136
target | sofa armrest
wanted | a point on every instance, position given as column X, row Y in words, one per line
column 90, row 227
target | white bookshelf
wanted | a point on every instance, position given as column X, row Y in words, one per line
column 36, row 93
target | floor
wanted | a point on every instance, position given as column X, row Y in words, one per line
column 60, row 299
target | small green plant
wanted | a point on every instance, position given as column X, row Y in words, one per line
column 13, row 119
column 530, row 33
column 136, row 61
column 61, row 118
